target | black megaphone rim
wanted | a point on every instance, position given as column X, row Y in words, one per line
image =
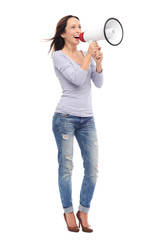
column 121, row 28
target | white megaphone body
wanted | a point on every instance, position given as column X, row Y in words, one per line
column 112, row 32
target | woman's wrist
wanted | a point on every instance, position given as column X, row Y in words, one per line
column 99, row 68
column 86, row 62
column 88, row 55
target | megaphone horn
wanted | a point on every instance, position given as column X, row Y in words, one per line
column 112, row 32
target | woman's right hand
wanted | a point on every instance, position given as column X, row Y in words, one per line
column 93, row 48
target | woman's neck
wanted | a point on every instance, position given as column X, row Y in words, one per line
column 68, row 48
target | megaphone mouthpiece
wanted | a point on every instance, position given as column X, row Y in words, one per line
column 81, row 37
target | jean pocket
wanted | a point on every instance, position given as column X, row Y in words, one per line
column 62, row 115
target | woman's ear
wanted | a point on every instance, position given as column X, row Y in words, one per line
column 63, row 35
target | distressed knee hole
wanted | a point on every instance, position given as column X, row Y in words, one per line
column 96, row 143
column 65, row 136
column 96, row 166
column 68, row 157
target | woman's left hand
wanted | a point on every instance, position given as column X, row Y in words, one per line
column 98, row 57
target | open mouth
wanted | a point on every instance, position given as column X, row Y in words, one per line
column 76, row 37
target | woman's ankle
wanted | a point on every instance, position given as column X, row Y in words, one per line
column 71, row 220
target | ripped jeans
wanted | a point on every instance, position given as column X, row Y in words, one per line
column 65, row 127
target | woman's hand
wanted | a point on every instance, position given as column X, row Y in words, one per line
column 98, row 57
column 93, row 48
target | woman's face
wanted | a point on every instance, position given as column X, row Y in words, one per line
column 72, row 31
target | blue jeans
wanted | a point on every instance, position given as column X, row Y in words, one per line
column 65, row 127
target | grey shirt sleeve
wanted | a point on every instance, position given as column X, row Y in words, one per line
column 75, row 76
column 96, row 77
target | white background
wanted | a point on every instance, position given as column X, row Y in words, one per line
column 129, row 116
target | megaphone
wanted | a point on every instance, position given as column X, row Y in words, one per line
column 112, row 32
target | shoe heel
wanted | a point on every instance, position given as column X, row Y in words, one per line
column 84, row 229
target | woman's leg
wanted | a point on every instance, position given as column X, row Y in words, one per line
column 63, row 130
column 87, row 139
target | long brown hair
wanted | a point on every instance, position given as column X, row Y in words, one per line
column 57, row 41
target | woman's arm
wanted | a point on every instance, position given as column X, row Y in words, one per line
column 64, row 66
column 98, row 60
column 86, row 62
column 97, row 73
column 97, row 77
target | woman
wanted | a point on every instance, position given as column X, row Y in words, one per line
column 74, row 116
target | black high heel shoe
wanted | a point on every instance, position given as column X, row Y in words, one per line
column 84, row 229
column 71, row 229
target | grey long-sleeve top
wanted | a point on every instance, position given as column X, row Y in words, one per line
column 76, row 96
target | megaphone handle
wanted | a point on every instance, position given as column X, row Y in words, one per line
column 90, row 41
